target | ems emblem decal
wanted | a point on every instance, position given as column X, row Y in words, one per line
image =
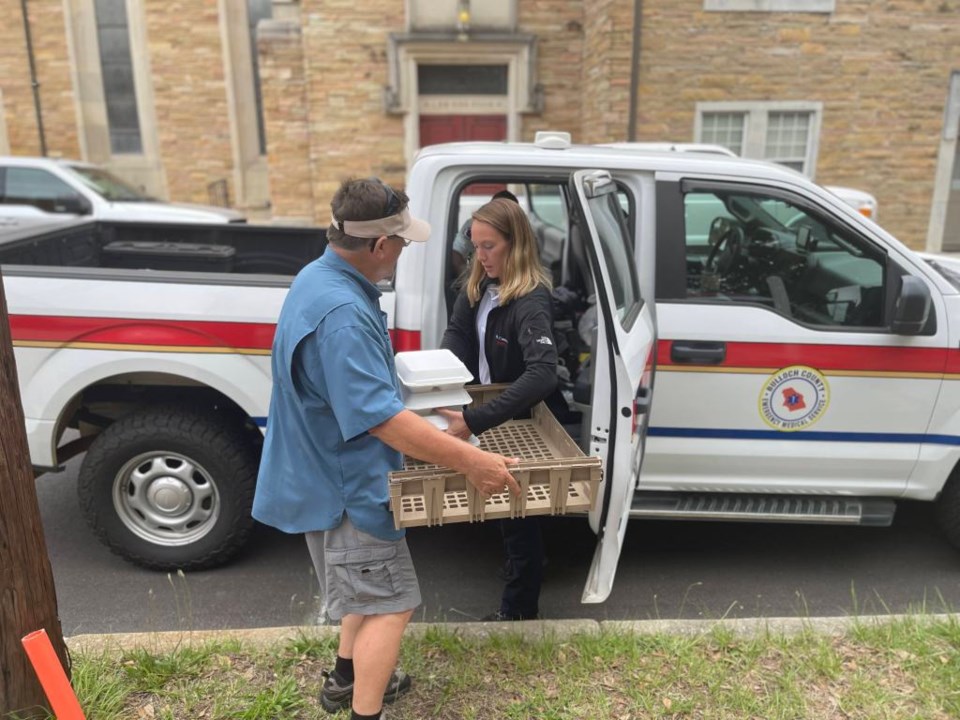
column 794, row 398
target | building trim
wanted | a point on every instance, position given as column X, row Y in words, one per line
column 463, row 104
column 946, row 156
column 808, row 6
column 250, row 179
column 406, row 51
column 83, row 47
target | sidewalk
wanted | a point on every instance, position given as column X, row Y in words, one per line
column 259, row 637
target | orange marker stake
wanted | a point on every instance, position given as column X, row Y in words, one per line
column 50, row 672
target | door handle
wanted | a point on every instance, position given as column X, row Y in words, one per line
column 698, row 352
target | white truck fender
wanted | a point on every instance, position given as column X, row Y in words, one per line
column 63, row 374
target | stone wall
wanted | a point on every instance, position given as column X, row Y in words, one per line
column 559, row 27
column 345, row 45
column 48, row 32
column 53, row 75
column 605, row 70
column 879, row 67
column 881, row 70
column 286, row 119
column 187, row 67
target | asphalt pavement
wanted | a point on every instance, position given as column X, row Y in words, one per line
column 668, row 571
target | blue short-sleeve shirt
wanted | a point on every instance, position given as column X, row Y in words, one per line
column 334, row 379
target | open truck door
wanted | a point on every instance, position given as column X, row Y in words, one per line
column 622, row 365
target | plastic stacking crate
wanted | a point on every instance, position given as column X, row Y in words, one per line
column 554, row 476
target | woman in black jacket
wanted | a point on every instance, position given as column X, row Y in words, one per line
column 501, row 329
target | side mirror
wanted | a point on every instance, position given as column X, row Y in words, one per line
column 72, row 204
column 912, row 309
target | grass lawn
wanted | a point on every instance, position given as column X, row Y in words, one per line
column 906, row 668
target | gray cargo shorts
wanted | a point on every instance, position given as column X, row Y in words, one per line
column 361, row 574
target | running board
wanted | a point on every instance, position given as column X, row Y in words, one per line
column 816, row 509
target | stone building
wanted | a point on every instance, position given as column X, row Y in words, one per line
column 267, row 104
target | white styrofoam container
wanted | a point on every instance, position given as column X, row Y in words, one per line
column 431, row 370
column 455, row 398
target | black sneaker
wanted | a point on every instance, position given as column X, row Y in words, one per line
column 337, row 694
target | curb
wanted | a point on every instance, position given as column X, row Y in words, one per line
column 156, row 642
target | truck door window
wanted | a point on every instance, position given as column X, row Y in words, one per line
column 757, row 249
column 549, row 220
column 547, row 204
column 29, row 186
column 615, row 241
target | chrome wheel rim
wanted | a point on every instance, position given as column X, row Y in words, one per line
column 166, row 498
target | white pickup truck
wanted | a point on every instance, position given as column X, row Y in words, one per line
column 737, row 344
column 38, row 191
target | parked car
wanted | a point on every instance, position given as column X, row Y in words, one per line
column 860, row 200
column 37, row 191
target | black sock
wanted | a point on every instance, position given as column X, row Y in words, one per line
column 344, row 668
column 354, row 715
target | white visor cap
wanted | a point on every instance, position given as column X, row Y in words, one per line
column 402, row 224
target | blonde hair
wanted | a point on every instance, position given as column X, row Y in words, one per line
column 522, row 272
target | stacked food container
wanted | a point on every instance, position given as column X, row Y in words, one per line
column 431, row 379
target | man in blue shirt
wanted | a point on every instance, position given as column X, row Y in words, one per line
column 337, row 426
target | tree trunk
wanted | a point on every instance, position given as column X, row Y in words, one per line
column 28, row 600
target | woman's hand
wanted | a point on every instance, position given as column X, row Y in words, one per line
column 455, row 424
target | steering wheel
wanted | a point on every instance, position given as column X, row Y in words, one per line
column 726, row 243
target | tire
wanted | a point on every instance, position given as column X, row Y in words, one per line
column 170, row 487
column 948, row 509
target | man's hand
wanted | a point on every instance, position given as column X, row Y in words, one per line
column 489, row 474
column 414, row 436
column 455, row 424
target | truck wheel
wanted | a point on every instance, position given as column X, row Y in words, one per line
column 170, row 487
column 948, row 509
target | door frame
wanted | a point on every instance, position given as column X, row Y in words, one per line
column 407, row 51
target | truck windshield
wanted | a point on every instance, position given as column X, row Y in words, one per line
column 109, row 186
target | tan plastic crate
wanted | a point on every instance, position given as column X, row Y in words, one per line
column 554, row 475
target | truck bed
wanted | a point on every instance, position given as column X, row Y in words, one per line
column 227, row 248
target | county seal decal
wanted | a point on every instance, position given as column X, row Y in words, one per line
column 794, row 398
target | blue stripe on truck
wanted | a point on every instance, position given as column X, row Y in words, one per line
column 805, row 435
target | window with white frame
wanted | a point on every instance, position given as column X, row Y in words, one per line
column 119, row 91
column 782, row 132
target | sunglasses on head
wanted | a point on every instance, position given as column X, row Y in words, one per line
column 373, row 241
column 391, row 207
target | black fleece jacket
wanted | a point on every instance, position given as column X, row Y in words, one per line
column 519, row 348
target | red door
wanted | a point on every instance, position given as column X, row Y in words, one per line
column 456, row 128
column 453, row 128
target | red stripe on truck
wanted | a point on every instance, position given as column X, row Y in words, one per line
column 826, row 358
column 130, row 331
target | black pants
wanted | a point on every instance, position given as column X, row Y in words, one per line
column 523, row 544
